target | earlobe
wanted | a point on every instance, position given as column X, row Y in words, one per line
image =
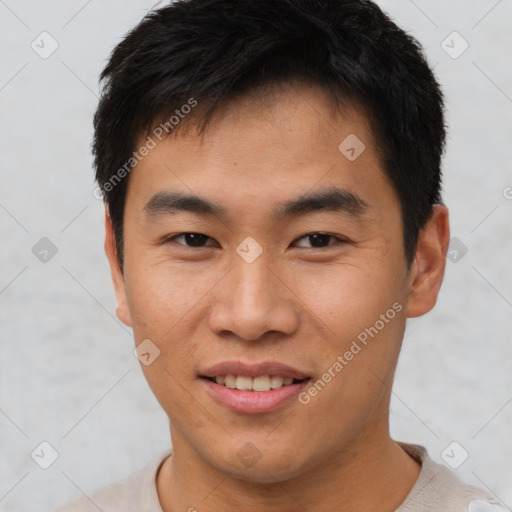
column 122, row 311
column 428, row 268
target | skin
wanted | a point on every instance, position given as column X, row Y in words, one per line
column 296, row 303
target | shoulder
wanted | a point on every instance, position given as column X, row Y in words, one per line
column 439, row 489
column 135, row 493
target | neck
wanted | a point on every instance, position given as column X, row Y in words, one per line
column 376, row 475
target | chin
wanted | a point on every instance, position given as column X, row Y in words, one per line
column 260, row 467
column 263, row 473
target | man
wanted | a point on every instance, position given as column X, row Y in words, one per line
column 271, row 175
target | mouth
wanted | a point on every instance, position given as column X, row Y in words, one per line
column 258, row 384
column 253, row 388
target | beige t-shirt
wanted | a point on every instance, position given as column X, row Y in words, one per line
column 436, row 490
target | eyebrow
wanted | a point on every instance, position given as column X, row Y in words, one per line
column 331, row 199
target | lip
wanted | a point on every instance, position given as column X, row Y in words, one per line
column 253, row 402
column 253, row 370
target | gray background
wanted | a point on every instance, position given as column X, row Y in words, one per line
column 67, row 372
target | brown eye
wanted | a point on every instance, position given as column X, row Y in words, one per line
column 318, row 240
column 191, row 239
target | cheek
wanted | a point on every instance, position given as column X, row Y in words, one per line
column 360, row 320
column 160, row 297
column 168, row 305
column 164, row 304
column 347, row 297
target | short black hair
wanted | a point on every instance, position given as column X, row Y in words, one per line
column 205, row 52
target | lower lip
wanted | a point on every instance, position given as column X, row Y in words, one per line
column 254, row 402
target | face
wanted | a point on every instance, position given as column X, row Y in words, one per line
column 286, row 265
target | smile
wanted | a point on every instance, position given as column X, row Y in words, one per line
column 258, row 384
column 253, row 388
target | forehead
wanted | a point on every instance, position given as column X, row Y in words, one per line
column 264, row 148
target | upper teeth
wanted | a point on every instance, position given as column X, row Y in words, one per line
column 261, row 383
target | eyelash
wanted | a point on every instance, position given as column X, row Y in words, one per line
column 338, row 240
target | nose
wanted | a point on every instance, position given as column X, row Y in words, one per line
column 252, row 300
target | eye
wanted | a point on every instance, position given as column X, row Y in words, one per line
column 319, row 240
column 190, row 239
column 311, row 240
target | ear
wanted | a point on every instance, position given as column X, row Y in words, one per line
column 427, row 270
column 122, row 311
